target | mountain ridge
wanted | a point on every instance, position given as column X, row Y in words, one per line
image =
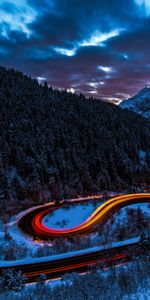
column 140, row 103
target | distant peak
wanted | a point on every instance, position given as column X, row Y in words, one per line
column 140, row 103
column 144, row 90
column 147, row 87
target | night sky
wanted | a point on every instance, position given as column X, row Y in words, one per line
column 101, row 48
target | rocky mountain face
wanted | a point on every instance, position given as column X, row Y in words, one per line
column 140, row 103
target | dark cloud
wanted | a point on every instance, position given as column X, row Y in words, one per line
column 97, row 47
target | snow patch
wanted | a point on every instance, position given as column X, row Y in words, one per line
column 69, row 216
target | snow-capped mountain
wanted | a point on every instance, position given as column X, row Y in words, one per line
column 139, row 103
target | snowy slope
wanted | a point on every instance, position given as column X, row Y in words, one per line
column 70, row 216
column 139, row 103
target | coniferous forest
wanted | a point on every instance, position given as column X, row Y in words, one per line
column 74, row 150
column 64, row 143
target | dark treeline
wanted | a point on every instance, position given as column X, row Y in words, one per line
column 66, row 143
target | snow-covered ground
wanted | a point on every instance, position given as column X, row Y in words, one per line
column 72, row 214
column 69, row 216
column 141, row 294
column 65, row 217
column 145, row 207
column 66, row 255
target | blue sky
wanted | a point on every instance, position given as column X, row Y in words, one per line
column 100, row 48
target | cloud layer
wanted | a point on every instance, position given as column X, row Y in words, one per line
column 100, row 48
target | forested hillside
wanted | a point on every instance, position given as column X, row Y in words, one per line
column 64, row 143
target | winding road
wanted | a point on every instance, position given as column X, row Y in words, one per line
column 76, row 261
column 32, row 222
column 54, row 267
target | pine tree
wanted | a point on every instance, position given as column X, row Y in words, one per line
column 11, row 280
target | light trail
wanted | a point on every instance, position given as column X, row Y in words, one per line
column 55, row 205
column 98, row 216
column 77, row 262
column 31, row 223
